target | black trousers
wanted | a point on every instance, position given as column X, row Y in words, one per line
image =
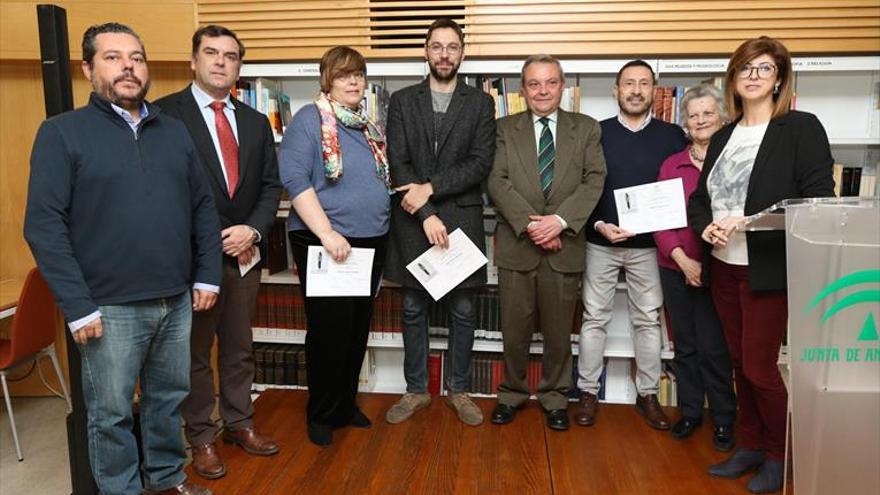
column 336, row 341
column 702, row 364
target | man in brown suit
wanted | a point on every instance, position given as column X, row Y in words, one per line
column 548, row 174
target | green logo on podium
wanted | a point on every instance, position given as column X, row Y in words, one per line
column 869, row 329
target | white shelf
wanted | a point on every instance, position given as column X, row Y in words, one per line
column 854, row 141
column 285, row 277
column 798, row 64
column 615, row 346
column 411, row 68
column 311, row 70
column 262, row 387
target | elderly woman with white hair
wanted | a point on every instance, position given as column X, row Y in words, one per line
column 702, row 364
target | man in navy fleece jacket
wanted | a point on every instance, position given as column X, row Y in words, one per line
column 635, row 145
column 124, row 229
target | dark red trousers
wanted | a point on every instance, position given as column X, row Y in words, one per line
column 754, row 324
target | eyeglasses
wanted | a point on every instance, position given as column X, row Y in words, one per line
column 764, row 70
column 357, row 75
column 437, row 48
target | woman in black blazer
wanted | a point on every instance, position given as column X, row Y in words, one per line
column 768, row 154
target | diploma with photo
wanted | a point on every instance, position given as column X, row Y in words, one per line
column 441, row 270
column 327, row 278
column 651, row 207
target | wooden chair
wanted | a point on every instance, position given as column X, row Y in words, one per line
column 31, row 337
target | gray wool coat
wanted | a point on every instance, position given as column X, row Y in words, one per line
column 463, row 160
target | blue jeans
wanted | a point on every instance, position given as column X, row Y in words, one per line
column 462, row 321
column 147, row 340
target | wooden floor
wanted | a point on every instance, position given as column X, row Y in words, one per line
column 434, row 453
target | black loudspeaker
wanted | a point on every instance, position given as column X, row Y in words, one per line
column 58, row 94
column 55, row 57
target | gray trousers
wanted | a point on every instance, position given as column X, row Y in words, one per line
column 644, row 298
column 230, row 319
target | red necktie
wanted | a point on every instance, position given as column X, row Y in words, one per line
column 228, row 145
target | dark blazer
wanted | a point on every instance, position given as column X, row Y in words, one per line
column 793, row 161
column 256, row 196
column 578, row 180
column 463, row 158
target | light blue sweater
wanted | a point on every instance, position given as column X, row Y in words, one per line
column 357, row 204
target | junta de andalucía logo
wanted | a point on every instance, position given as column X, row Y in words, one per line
column 867, row 295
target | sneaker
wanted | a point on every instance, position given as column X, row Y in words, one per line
column 468, row 412
column 406, row 406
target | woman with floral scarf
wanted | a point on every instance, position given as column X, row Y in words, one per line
column 332, row 163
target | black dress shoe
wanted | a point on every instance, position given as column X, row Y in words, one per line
column 320, row 435
column 684, row 428
column 723, row 438
column 360, row 420
column 503, row 414
column 557, row 419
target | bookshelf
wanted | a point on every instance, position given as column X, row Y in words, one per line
column 844, row 92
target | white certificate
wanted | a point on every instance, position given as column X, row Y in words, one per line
column 441, row 270
column 244, row 268
column 651, row 207
column 327, row 278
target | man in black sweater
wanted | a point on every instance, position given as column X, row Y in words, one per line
column 123, row 226
column 635, row 145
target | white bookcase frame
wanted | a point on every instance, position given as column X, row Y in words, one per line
column 842, row 91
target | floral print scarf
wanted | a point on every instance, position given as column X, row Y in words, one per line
column 333, row 113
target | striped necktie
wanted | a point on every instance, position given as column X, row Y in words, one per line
column 546, row 156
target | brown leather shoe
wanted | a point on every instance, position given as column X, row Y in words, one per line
column 649, row 407
column 185, row 488
column 251, row 441
column 207, row 462
column 585, row 413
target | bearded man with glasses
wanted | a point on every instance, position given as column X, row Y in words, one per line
column 441, row 140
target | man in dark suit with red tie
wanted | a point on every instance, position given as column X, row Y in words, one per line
column 237, row 148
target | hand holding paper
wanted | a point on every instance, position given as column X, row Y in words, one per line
column 651, row 207
column 327, row 277
column 441, row 270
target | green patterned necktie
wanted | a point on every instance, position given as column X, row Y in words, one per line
column 546, row 156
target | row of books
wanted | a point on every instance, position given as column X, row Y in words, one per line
column 666, row 100
column 853, row 181
column 509, row 100
column 487, row 373
column 281, row 306
column 285, row 364
column 280, row 364
column 668, row 392
column 268, row 97
column 279, row 257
